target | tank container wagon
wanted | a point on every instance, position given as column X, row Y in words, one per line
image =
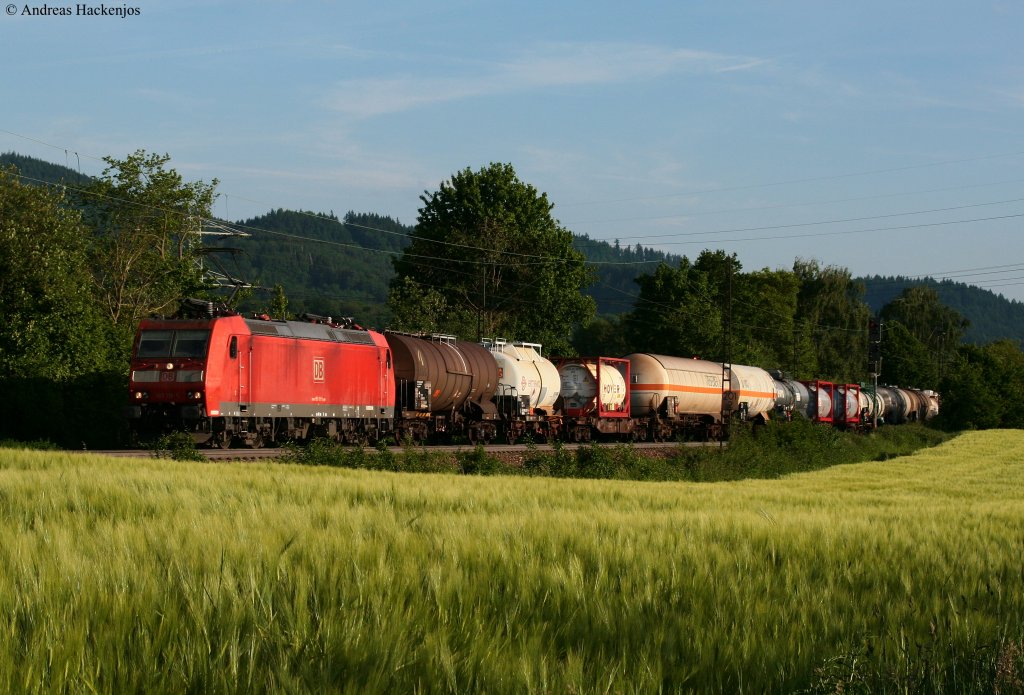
column 846, row 411
column 820, row 398
column 595, row 398
column 444, row 387
column 229, row 380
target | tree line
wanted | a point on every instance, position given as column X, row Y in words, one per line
column 82, row 262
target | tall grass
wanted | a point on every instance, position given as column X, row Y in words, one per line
column 167, row 576
column 800, row 446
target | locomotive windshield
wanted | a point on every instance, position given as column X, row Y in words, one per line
column 173, row 344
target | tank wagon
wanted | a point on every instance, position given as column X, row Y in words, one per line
column 872, row 407
column 528, row 388
column 444, row 387
column 685, row 396
column 792, row 397
column 228, row 379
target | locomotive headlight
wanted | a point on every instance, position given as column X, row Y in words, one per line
column 170, row 365
column 138, row 395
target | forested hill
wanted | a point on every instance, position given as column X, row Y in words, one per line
column 992, row 317
column 325, row 265
column 617, row 267
column 342, row 267
column 39, row 172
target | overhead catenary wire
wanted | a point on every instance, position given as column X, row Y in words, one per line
column 812, row 179
column 423, row 259
column 547, row 259
column 542, row 259
column 817, row 223
column 783, row 206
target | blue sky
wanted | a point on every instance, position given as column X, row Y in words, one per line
column 879, row 136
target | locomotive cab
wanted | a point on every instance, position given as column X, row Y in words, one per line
column 167, row 382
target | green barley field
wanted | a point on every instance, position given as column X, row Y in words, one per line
column 149, row 575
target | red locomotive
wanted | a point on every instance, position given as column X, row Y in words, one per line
column 228, row 379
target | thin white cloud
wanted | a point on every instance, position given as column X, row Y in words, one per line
column 550, row 65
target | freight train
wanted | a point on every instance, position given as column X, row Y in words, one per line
column 234, row 380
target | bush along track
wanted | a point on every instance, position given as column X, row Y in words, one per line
column 769, row 452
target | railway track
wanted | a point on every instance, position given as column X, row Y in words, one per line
column 654, row 448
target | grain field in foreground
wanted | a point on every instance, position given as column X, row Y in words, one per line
column 158, row 576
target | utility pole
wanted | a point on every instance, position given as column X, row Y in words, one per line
column 727, row 392
column 483, row 303
column 875, row 361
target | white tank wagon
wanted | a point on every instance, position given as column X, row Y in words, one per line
column 522, row 371
column 756, row 388
column 674, row 385
column 691, row 390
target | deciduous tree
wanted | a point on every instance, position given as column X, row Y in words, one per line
column 676, row 313
column 487, row 244
column 832, row 320
column 50, row 326
column 146, row 222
